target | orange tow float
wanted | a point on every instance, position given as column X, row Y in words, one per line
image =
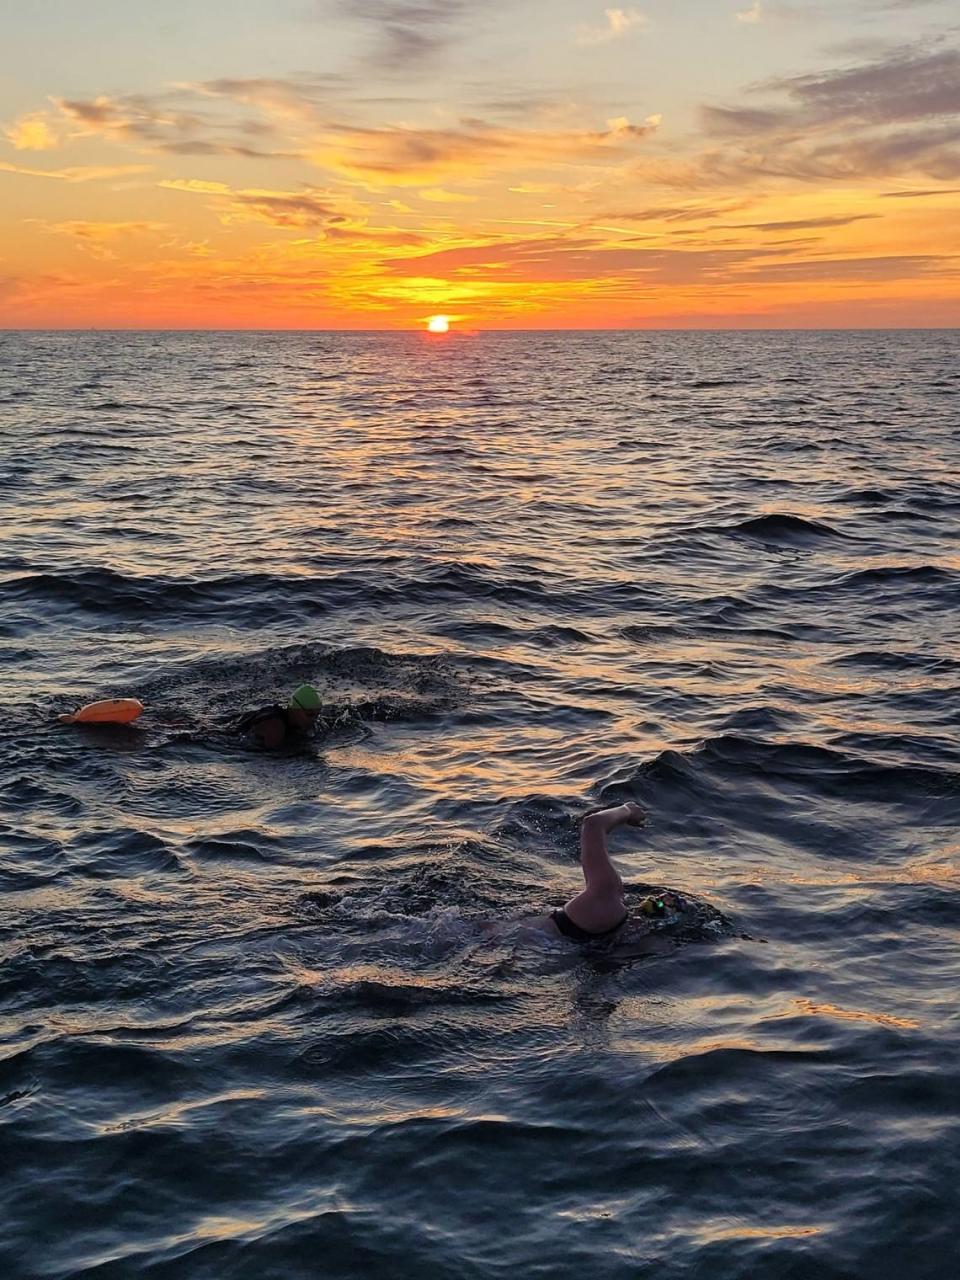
column 110, row 711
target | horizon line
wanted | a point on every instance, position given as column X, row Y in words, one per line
column 472, row 332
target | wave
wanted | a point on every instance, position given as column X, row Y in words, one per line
column 731, row 768
column 637, row 633
column 783, row 527
column 710, row 383
column 883, row 575
column 107, row 592
column 878, row 659
column 869, row 497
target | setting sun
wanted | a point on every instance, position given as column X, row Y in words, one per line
column 438, row 324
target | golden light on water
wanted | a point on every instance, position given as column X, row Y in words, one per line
column 438, row 324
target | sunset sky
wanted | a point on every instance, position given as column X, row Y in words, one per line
column 511, row 163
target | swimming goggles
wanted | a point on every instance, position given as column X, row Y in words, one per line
column 657, row 906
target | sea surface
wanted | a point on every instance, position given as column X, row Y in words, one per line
column 252, row 1022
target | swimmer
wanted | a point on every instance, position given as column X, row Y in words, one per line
column 277, row 726
column 599, row 912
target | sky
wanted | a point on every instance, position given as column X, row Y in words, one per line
column 512, row 164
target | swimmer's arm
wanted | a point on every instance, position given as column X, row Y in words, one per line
column 598, row 871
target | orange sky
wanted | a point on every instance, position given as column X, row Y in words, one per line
column 279, row 165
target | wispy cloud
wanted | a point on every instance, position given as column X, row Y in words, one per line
column 437, row 195
column 79, row 172
column 616, row 23
column 907, row 266
column 197, row 186
column 581, row 259
column 907, row 85
column 406, row 34
column 327, row 215
column 570, row 258
column 161, row 123
column 677, row 213
column 96, row 238
column 298, row 99
column 288, row 209
column 803, row 224
column 896, row 114
column 919, row 194
column 746, row 121
column 408, row 156
column 309, row 207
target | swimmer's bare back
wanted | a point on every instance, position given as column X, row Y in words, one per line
column 599, row 910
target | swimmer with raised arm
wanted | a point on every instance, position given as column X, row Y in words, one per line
column 599, row 912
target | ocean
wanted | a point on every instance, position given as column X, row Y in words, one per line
column 252, row 1024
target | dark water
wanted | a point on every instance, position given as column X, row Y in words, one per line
column 251, row 1025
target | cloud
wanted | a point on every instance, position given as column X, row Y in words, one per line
column 934, row 153
column 80, row 173
column 753, row 14
column 130, row 118
column 409, row 33
column 620, row 127
column 32, row 133
column 89, row 230
column 906, row 86
column 408, row 156
column 903, row 87
column 293, row 98
column 746, row 121
column 676, row 213
column 559, row 258
column 196, row 185
column 161, row 124
column 199, row 119
column 201, row 147
column 915, row 194
column 574, row 259
column 284, row 209
column 891, row 115
column 94, row 238
column 37, row 287
column 436, row 195
column 617, row 23
column 846, row 270
column 326, row 214
column 802, row 224
column 580, row 260
column 308, row 207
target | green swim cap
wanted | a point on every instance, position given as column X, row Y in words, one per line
column 306, row 698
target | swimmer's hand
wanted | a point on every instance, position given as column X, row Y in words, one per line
column 636, row 816
column 619, row 815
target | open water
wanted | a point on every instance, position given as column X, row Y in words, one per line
column 251, row 1025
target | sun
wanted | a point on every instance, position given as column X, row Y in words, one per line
column 438, row 324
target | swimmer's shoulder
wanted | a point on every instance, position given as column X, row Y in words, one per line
column 267, row 726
